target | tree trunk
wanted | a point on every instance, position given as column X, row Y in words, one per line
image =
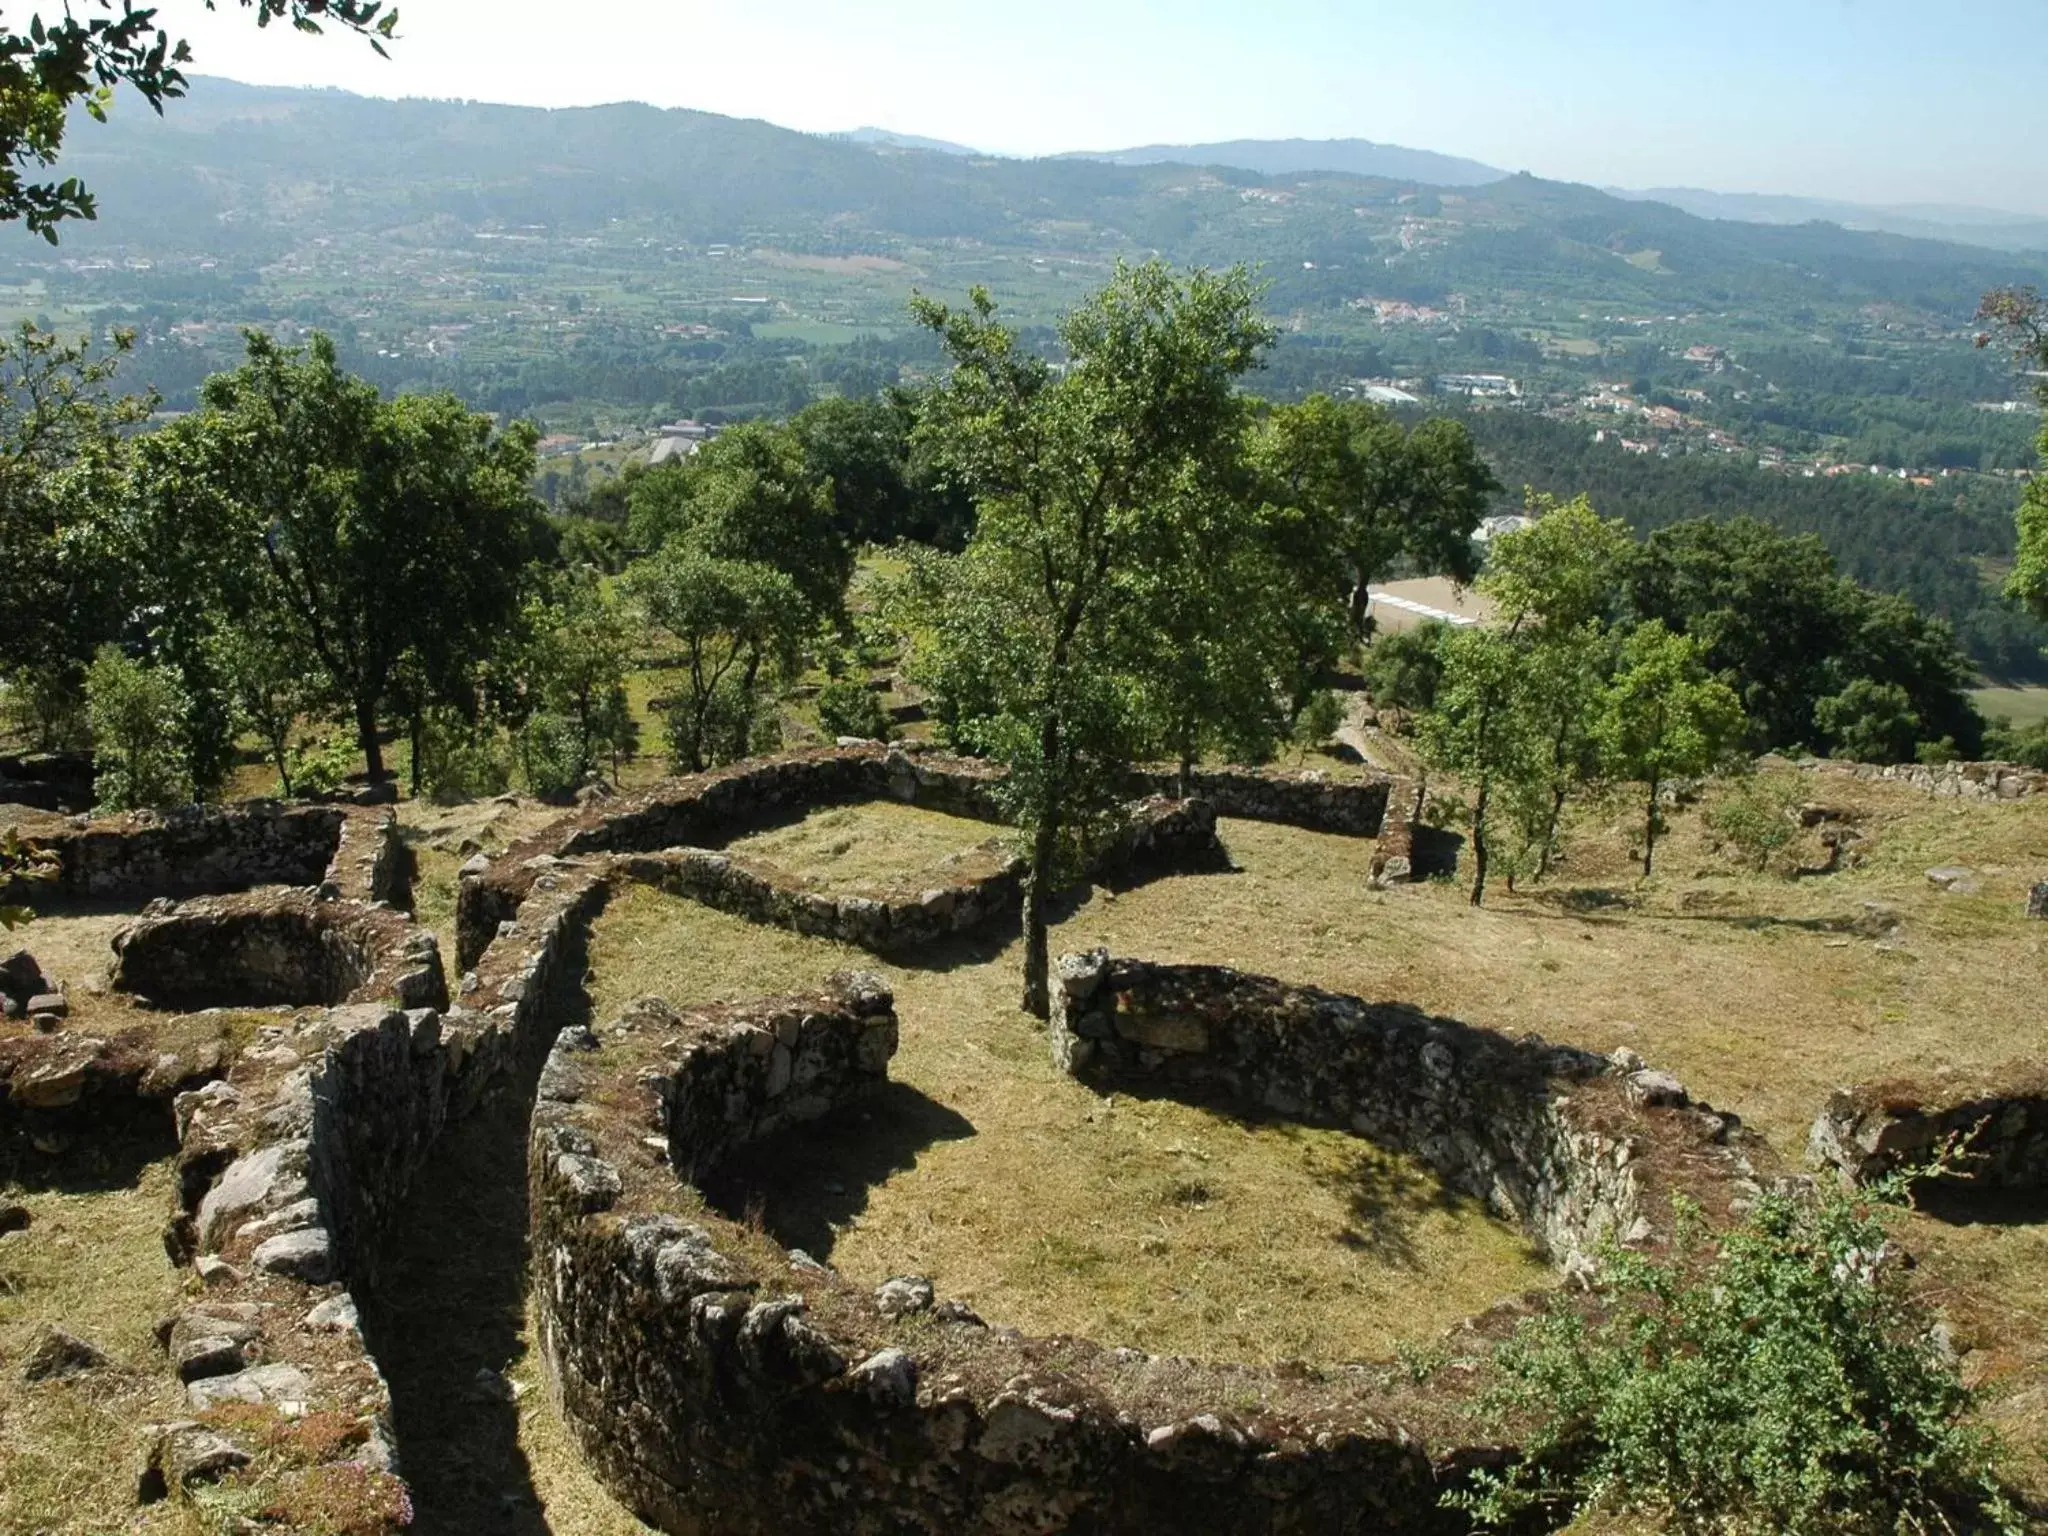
column 1650, row 831
column 1479, row 841
column 1361, row 601
column 366, row 734
column 417, row 728
column 1037, row 999
column 280, row 754
column 1557, row 799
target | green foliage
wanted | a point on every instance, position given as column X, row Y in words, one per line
column 1779, row 1378
column 552, row 756
column 1664, row 717
column 2025, row 744
column 1483, row 729
column 1047, row 643
column 740, row 624
column 847, row 706
column 19, row 861
column 45, row 706
column 2024, row 317
column 1367, row 492
column 749, row 496
column 319, row 766
column 1757, row 817
column 461, row 757
column 1403, row 669
column 1786, row 631
column 63, row 454
column 387, row 540
column 137, row 713
column 579, row 646
column 78, row 59
column 1317, row 720
column 1869, row 722
column 1561, row 573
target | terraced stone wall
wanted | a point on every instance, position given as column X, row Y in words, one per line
column 1307, row 799
column 707, row 810
column 988, row 890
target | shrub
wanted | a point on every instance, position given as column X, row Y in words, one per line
column 461, row 758
column 1318, row 720
column 551, row 753
column 1869, row 722
column 44, row 707
column 1758, row 818
column 322, row 765
column 1402, row 670
column 2026, row 745
column 1781, row 1379
column 137, row 714
column 848, row 707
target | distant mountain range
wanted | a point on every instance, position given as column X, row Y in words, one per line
column 1994, row 228
column 265, row 180
column 1286, row 157
column 884, row 138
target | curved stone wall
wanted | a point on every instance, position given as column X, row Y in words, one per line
column 211, row 850
column 1579, row 1149
column 277, row 946
column 717, row 1386
column 709, row 809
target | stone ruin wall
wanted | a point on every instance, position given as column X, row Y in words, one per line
column 1546, row 1136
column 277, row 946
column 293, row 1161
column 707, row 810
column 213, row 850
column 717, row 1386
column 1997, row 1122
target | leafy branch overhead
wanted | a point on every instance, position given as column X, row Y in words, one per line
column 79, row 58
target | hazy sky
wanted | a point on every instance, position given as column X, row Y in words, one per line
column 1871, row 100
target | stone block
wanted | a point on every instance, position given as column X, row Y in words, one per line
column 306, row 1255
column 1163, row 1031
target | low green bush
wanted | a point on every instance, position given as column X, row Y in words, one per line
column 847, row 706
column 1777, row 1377
column 138, row 715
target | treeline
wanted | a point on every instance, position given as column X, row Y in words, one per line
column 1933, row 546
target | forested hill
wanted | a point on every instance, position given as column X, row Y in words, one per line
column 242, row 171
column 1936, row 548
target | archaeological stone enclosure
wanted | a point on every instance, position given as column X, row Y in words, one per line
column 711, row 1379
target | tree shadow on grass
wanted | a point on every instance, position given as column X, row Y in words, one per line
column 443, row 1317
column 805, row 1183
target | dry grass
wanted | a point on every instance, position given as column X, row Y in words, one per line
column 92, row 1261
column 867, row 849
column 1148, row 1223
column 1762, row 993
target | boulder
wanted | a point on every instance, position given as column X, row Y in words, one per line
column 57, row 1354
column 903, row 1295
column 21, row 978
column 50, row 1002
column 1956, row 879
column 13, row 1218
